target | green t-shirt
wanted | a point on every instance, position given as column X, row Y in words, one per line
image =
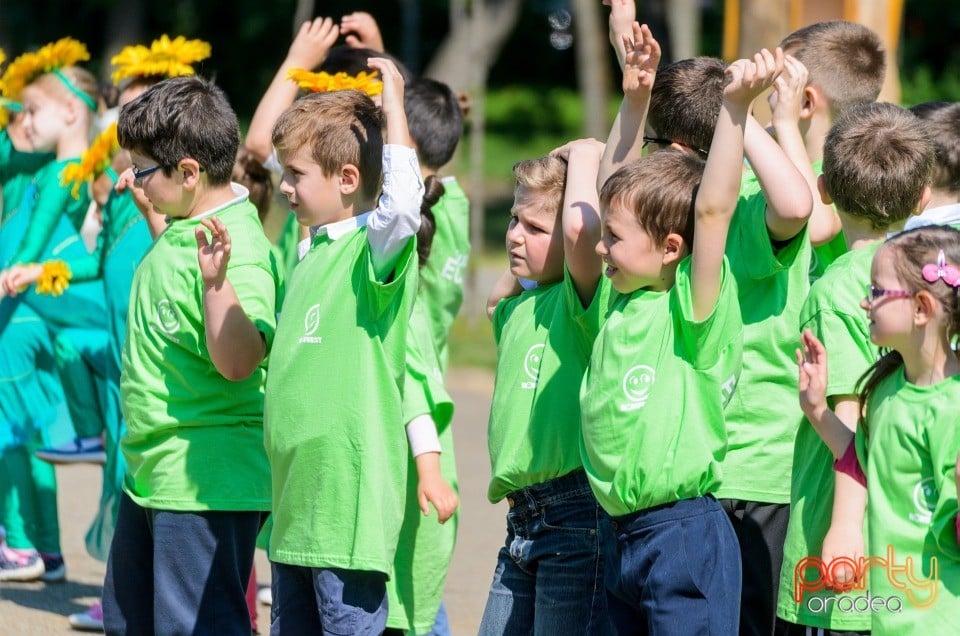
column 194, row 439
column 909, row 458
column 333, row 427
column 286, row 245
column 832, row 311
column 764, row 414
column 652, row 358
column 441, row 278
column 544, row 337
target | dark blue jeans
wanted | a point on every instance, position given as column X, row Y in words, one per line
column 549, row 575
column 675, row 569
column 179, row 572
column 328, row 601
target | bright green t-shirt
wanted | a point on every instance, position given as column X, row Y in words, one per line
column 909, row 458
column 832, row 312
column 333, row 427
column 653, row 359
column 764, row 414
column 441, row 278
column 194, row 439
column 544, row 337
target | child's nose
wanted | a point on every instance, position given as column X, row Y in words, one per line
column 601, row 248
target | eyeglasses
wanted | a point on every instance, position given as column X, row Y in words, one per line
column 879, row 292
column 141, row 174
column 667, row 142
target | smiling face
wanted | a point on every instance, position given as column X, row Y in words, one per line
column 632, row 258
column 313, row 196
column 534, row 237
column 891, row 317
column 45, row 118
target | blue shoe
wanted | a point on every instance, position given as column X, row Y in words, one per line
column 87, row 450
column 15, row 566
column 55, row 570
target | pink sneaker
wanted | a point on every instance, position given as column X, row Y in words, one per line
column 89, row 621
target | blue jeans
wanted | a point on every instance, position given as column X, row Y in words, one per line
column 328, row 601
column 549, row 575
column 179, row 572
column 675, row 569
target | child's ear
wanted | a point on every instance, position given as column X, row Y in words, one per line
column 924, row 200
column 813, row 99
column 349, row 179
column 822, row 189
column 190, row 171
column 926, row 306
column 674, row 249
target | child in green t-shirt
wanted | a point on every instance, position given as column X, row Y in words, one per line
column 666, row 359
column 908, row 435
column 877, row 166
column 201, row 320
column 338, row 453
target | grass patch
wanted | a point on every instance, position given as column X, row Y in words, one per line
column 471, row 343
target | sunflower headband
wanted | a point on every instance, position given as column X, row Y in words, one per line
column 49, row 58
column 164, row 58
column 94, row 161
column 322, row 82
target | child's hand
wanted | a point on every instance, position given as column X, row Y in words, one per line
column 19, row 277
column 432, row 488
column 392, row 101
column 642, row 59
column 745, row 79
column 843, row 541
column 312, row 43
column 213, row 254
column 787, row 98
column 623, row 13
column 812, row 364
column 591, row 146
column 367, row 33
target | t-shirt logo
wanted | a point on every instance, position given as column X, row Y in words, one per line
column 167, row 319
column 636, row 386
column 925, row 497
column 453, row 268
column 531, row 365
column 311, row 322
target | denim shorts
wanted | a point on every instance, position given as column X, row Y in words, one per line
column 549, row 574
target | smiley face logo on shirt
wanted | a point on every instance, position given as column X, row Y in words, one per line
column 925, row 495
column 637, row 384
column 531, row 365
column 167, row 318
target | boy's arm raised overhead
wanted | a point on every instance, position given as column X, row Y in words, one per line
column 396, row 218
column 824, row 224
column 308, row 50
column 235, row 344
column 363, row 30
column 625, row 143
column 720, row 186
column 623, row 13
column 581, row 215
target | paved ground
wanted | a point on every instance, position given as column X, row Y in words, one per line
column 35, row 608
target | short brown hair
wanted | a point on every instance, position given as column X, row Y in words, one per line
column 660, row 190
column 547, row 176
column 877, row 159
column 340, row 127
column 942, row 121
column 685, row 101
column 845, row 59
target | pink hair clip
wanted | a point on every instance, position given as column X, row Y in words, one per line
column 949, row 273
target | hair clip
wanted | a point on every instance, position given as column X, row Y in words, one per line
column 949, row 273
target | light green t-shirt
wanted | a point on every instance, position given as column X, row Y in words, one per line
column 333, row 417
column 909, row 458
column 194, row 439
column 832, row 311
column 764, row 414
column 441, row 278
column 653, row 396
column 544, row 337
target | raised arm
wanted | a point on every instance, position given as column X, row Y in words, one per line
column 235, row 344
column 363, row 30
column 581, row 215
column 812, row 384
column 623, row 13
column 625, row 142
column 717, row 195
column 308, row 50
column 788, row 96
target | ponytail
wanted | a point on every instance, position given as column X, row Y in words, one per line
column 882, row 369
column 432, row 191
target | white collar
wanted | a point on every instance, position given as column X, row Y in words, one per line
column 339, row 229
column 240, row 193
column 940, row 215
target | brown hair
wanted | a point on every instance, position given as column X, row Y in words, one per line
column 942, row 121
column 845, row 59
column 340, row 128
column 432, row 191
column 685, row 101
column 251, row 174
column 547, row 176
column 910, row 251
column 660, row 190
column 877, row 160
